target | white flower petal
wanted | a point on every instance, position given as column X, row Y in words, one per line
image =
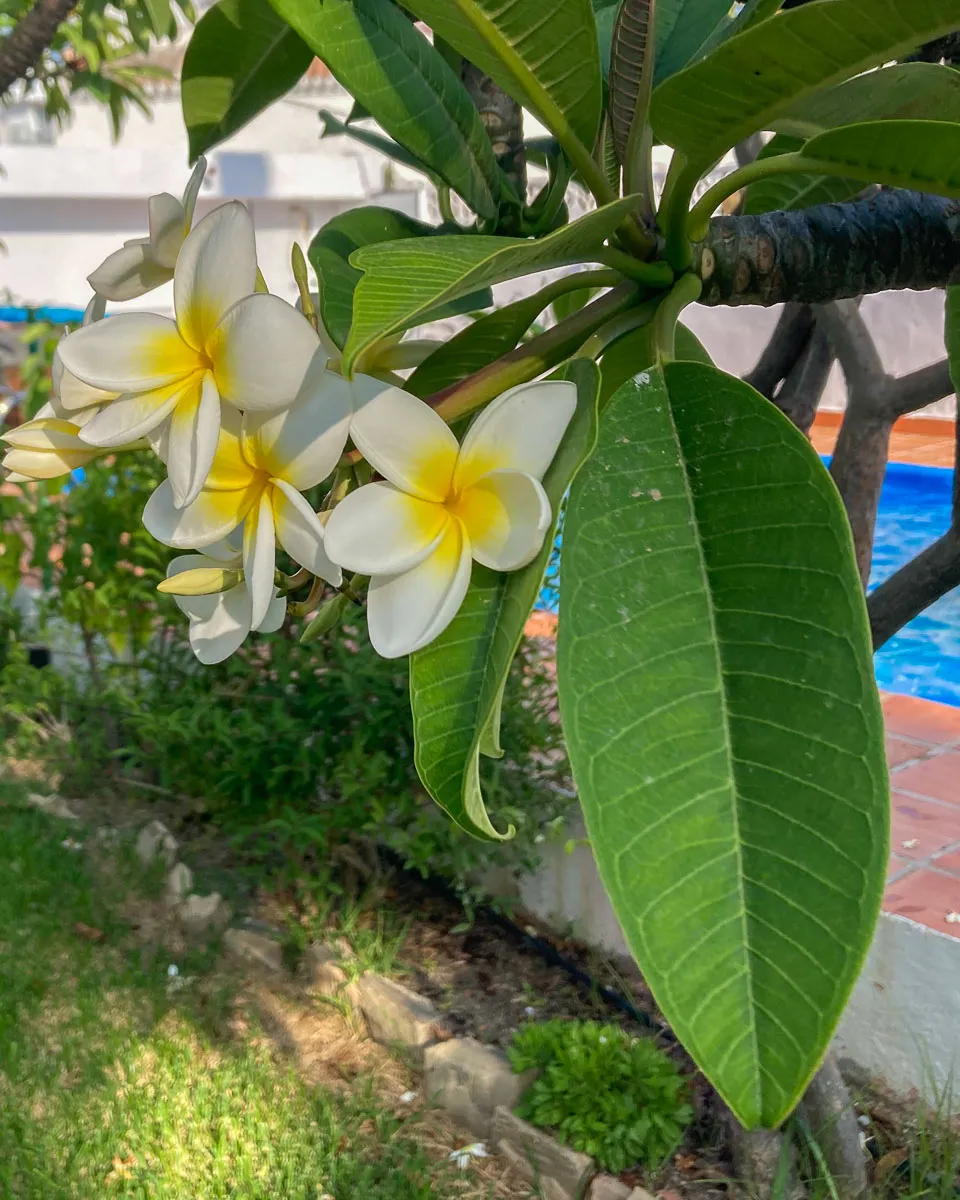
column 301, row 533
column 230, row 470
column 260, row 557
column 216, row 637
column 44, row 433
column 381, row 530
column 216, row 267
column 127, row 273
column 192, row 440
column 72, row 393
column 275, row 615
column 168, row 228
column 519, row 431
column 405, row 612
column 200, row 607
column 403, row 439
column 192, row 190
column 212, row 516
column 44, row 464
column 261, row 351
column 505, row 515
column 130, row 417
column 303, row 443
column 133, row 352
column 96, row 309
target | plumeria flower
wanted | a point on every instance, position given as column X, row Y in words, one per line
column 442, row 505
column 250, row 349
column 261, row 467
column 47, row 447
column 220, row 621
column 143, row 264
column 463, row 1156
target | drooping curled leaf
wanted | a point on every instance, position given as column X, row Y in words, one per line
column 750, row 80
column 456, row 683
column 240, row 58
column 333, row 127
column 547, row 58
column 952, row 334
column 780, row 192
column 393, row 71
column 628, row 52
column 160, row 16
column 402, row 282
column 605, row 15
column 720, row 709
column 922, row 155
column 915, row 91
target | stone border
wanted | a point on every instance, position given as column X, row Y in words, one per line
column 472, row 1082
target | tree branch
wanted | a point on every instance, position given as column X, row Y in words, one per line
column 782, row 352
column 799, row 398
column 22, row 49
column 502, row 118
column 853, row 345
column 894, row 240
column 919, row 388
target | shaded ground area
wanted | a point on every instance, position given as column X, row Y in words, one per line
column 120, row 1079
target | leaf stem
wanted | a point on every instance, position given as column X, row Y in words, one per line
column 618, row 327
column 780, row 164
column 685, row 291
column 531, row 359
column 650, row 274
column 674, row 203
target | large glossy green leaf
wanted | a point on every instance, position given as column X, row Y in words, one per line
column 923, row 155
column 456, row 683
column 240, row 59
column 952, row 334
column 719, row 704
column 779, row 192
column 919, row 91
column 637, row 352
column 545, row 57
column 749, row 81
column 398, row 77
column 402, row 282
column 695, row 24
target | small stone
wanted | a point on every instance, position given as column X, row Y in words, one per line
column 200, row 915
column 53, row 806
column 320, row 971
column 563, row 1173
column 396, row 1015
column 471, row 1080
column 640, row 1193
column 179, row 884
column 106, row 837
column 156, row 841
column 254, row 948
column 605, row 1187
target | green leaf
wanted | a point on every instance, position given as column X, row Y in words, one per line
column 375, row 52
column 722, row 718
column 952, row 334
column 547, row 58
column 628, row 55
column 456, row 682
column 486, row 339
column 334, row 127
column 781, row 192
column 636, row 352
column 403, row 282
column 751, row 80
column 240, row 59
column 160, row 16
column 330, row 251
column 922, row 155
column 918, row 91
column 694, row 25
column 605, row 16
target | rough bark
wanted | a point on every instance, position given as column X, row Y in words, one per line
column 502, row 118
column 757, row 1155
column 894, row 240
column 782, row 352
column 828, row 1109
column 799, row 398
column 23, row 48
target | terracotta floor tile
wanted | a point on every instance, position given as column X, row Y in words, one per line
column 912, row 717
column 899, row 751
column 927, row 897
column 919, row 829
column 937, row 777
column 947, row 862
column 896, row 864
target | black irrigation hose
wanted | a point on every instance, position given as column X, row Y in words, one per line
column 547, row 951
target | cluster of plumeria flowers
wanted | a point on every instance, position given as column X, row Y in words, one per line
column 241, row 397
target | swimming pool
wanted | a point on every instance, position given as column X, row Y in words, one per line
column 924, row 658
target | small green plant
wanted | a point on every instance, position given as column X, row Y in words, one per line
column 615, row 1097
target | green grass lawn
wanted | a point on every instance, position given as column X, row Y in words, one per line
column 110, row 1086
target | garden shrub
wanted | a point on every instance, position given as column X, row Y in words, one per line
column 618, row 1098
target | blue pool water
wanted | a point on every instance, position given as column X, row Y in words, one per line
column 924, row 658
